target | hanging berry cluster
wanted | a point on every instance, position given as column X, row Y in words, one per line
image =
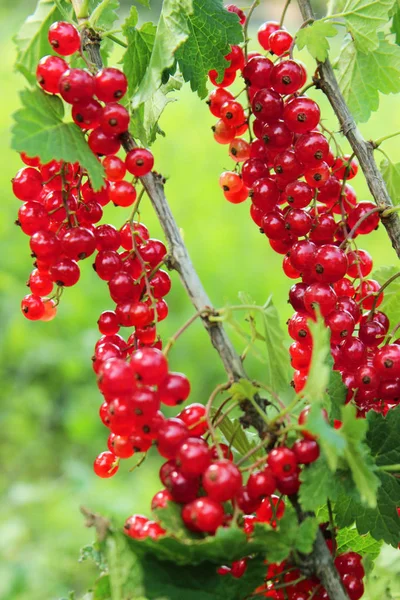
column 296, row 178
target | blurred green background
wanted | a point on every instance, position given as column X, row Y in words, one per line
column 50, row 431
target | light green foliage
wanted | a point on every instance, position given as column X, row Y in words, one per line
column 363, row 18
column 348, row 539
column 314, row 37
column 390, row 303
column 318, row 376
column 362, row 76
column 391, row 174
column 103, row 16
column 277, row 373
column 39, row 130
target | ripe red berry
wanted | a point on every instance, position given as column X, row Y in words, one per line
column 139, row 162
column 194, row 418
column 65, row 272
column 228, row 77
column 32, row 307
column 174, row 390
column 282, row 462
column 122, row 193
column 64, row 38
column 261, row 484
column 203, row 514
column 103, row 465
column 257, row 72
column 27, row 184
column 321, row 296
column 171, row 435
column 301, row 114
column 306, row 451
column 216, row 99
column 110, row 84
column 287, row 77
column 193, row 457
column 280, row 42
column 102, row 143
column 265, row 31
column 222, row 480
column 76, row 85
column 114, row 119
column 268, row 106
column 49, row 72
column 114, row 168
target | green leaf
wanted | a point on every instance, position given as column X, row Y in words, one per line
column 39, row 130
column 211, row 31
column 318, row 376
column 395, row 28
column 337, row 392
column 390, row 303
column 382, row 522
column 363, row 19
column 391, row 174
column 330, row 440
column 172, row 32
column 362, row 76
column 277, row 373
column 348, row 539
column 140, row 45
column 315, row 38
column 31, row 40
column 319, row 485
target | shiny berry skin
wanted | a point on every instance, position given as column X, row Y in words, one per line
column 350, row 563
column 268, row 106
column 103, row 144
column 330, row 263
column 257, row 72
column 114, row 119
column 32, row 307
column 282, row 462
column 64, row 38
column 301, row 114
column 287, row 77
column 49, row 72
column 174, row 390
column 387, row 361
column 342, row 168
column 161, row 499
column 298, row 194
column 203, row 514
column 232, row 113
column 298, row 222
column 276, row 136
column 139, row 162
column 222, row 480
column 65, row 272
column 78, row 243
column 193, row 457
column 369, row 223
column 273, row 225
column 296, row 296
column 32, row 217
column 76, row 85
column 122, row 193
column 40, row 283
column 238, row 11
column 194, row 417
column 110, row 84
column 366, row 378
column 261, row 484
column 312, row 148
column 353, row 586
column 302, row 255
column 27, row 184
column 371, row 333
column 317, row 176
column 298, row 328
column 171, row 435
column 360, row 263
column 252, row 170
column 87, row 113
column 319, row 296
column 239, row 150
column 306, row 451
column 280, row 42
column 239, row 568
column 265, row 513
column 287, row 166
column 289, row 484
column 222, row 133
column 264, row 32
column 216, row 99
column 114, row 168
column 352, row 352
column 230, row 181
column 149, row 366
column 108, row 323
column 265, row 194
column 103, row 465
column 341, row 324
column 134, row 526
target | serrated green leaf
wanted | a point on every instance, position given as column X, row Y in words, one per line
column 211, row 31
column 124, row 569
column 363, row 19
column 362, row 76
column 31, row 40
column 39, row 130
column 390, row 303
column 277, row 372
column 315, row 38
column 305, row 535
column 391, row 174
column 172, row 32
column 319, row 485
column 318, row 376
column 382, row 522
column 348, row 539
column 140, row 46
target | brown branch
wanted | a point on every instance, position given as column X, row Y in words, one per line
column 364, row 150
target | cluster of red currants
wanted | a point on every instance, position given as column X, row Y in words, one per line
column 301, row 201
column 285, row 582
column 61, row 209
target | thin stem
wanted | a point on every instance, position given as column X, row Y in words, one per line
column 380, row 291
column 81, row 9
column 390, row 468
column 246, row 25
column 379, row 141
column 360, row 221
column 200, row 313
column 114, row 38
column 287, row 3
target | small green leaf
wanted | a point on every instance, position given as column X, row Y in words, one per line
column 337, row 392
column 315, row 38
column 212, row 29
column 391, row 174
column 390, row 303
column 395, row 28
column 319, row 484
column 31, row 40
column 363, row 19
column 305, row 535
column 39, row 130
column 277, row 372
column 140, row 46
column 362, row 76
column 172, row 32
column 318, row 376
column 348, row 539
column 330, row 440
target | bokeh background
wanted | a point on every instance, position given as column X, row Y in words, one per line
column 50, row 431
